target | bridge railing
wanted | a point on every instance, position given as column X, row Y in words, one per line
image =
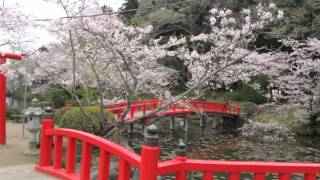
column 141, row 107
column 53, row 166
column 181, row 166
column 148, row 163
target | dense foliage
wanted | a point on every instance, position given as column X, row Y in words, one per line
column 74, row 119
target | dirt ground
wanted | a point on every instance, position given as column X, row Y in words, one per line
column 12, row 154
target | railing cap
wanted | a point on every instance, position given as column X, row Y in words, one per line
column 48, row 113
column 151, row 136
column 182, row 152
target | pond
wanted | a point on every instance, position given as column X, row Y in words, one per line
column 228, row 144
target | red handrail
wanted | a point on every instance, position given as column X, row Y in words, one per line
column 107, row 148
column 140, row 107
column 148, row 163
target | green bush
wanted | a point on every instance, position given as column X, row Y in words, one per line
column 59, row 114
column 44, row 104
column 58, row 97
column 248, row 109
column 87, row 95
column 75, row 119
column 247, row 93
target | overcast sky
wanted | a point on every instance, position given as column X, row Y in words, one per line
column 40, row 9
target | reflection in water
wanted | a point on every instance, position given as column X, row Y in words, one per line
column 224, row 144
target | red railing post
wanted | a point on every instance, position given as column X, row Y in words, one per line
column 57, row 152
column 86, row 156
column 174, row 107
column 150, row 154
column 310, row 177
column 207, row 176
column 46, row 143
column 71, row 155
column 2, row 108
column 144, row 109
column 259, row 176
column 104, row 165
column 132, row 111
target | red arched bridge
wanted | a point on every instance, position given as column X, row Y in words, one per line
column 139, row 108
column 148, row 163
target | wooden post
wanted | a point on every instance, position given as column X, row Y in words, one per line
column 150, row 154
column 130, row 128
column 46, row 143
column 185, row 125
column 2, row 109
column 172, row 123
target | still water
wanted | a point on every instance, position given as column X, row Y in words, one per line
column 228, row 144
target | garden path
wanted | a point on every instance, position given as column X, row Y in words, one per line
column 13, row 163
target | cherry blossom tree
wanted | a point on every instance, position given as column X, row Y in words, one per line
column 109, row 56
column 12, row 26
column 299, row 79
column 222, row 56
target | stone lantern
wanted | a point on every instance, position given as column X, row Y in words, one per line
column 33, row 115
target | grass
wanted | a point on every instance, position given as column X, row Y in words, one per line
column 284, row 118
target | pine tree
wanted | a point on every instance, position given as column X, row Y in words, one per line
column 129, row 5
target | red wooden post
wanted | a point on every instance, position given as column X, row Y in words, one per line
column 2, row 109
column 174, row 107
column 3, row 58
column 133, row 109
column 57, row 155
column 181, row 175
column 86, row 161
column 149, row 162
column 150, row 154
column 310, row 177
column 46, row 143
column 124, row 170
column 71, row 156
column 207, row 176
column 284, row 176
column 104, row 165
column 144, row 109
column 234, row 176
column 259, row 176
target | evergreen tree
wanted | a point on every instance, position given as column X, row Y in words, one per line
column 129, row 5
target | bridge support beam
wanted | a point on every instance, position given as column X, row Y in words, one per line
column 172, row 123
column 185, row 125
column 202, row 120
column 214, row 123
column 130, row 128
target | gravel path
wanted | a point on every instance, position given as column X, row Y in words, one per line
column 14, row 164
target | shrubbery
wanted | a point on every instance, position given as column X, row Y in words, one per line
column 59, row 114
column 248, row 109
column 75, row 119
column 247, row 93
column 58, row 97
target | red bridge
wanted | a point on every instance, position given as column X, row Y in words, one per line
column 148, row 162
column 142, row 107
